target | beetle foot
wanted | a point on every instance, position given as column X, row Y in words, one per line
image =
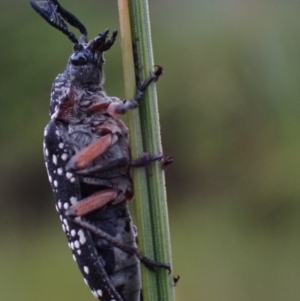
column 145, row 160
column 152, row 264
column 166, row 161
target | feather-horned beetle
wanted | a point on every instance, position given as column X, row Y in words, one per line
column 87, row 158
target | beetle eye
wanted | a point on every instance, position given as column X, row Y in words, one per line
column 78, row 59
column 77, row 47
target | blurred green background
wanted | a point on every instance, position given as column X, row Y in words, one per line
column 229, row 105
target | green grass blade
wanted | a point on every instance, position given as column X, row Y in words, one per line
column 150, row 193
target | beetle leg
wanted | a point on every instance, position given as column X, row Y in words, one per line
column 145, row 160
column 84, row 157
column 151, row 264
column 132, row 104
column 93, row 202
column 118, row 163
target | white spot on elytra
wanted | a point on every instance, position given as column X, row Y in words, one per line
column 45, row 132
column 55, row 183
column 72, row 180
column 50, row 179
column 85, row 281
column 79, row 252
column 63, row 227
column 59, row 204
column 73, row 200
column 82, row 238
column 99, row 292
column 86, row 269
column 95, row 294
column 69, row 175
column 74, row 257
column 61, row 145
column 65, row 222
column 64, row 156
column 60, row 171
column 54, row 159
column 66, row 205
column 73, row 232
column 77, row 244
column 46, row 152
column 72, row 245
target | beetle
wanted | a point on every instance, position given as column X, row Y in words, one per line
column 87, row 158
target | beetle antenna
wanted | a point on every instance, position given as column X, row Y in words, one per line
column 56, row 15
column 72, row 20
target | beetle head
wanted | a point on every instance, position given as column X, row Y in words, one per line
column 85, row 64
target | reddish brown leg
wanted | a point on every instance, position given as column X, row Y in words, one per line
column 93, row 202
column 83, row 158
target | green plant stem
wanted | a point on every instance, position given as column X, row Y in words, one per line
column 141, row 199
column 149, row 189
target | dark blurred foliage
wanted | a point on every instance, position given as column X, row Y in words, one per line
column 229, row 106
